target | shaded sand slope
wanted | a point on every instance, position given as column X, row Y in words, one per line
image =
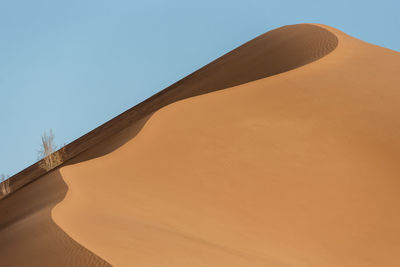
column 297, row 169
column 29, row 237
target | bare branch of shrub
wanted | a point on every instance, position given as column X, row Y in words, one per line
column 4, row 185
column 51, row 157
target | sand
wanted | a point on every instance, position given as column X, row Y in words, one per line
column 269, row 158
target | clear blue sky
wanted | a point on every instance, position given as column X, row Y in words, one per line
column 72, row 65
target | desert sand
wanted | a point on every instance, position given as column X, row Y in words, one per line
column 282, row 152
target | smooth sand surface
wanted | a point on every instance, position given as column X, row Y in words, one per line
column 294, row 167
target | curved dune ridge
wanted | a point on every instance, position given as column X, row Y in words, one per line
column 295, row 169
column 274, row 52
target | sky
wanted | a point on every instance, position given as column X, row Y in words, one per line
column 72, row 65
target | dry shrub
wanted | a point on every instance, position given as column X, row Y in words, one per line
column 51, row 157
column 4, row 185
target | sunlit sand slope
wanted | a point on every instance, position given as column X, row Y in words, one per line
column 297, row 169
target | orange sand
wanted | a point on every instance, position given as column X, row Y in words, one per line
column 294, row 169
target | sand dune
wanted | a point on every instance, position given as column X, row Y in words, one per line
column 293, row 164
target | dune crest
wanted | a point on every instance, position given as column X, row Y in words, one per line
column 295, row 169
column 272, row 53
